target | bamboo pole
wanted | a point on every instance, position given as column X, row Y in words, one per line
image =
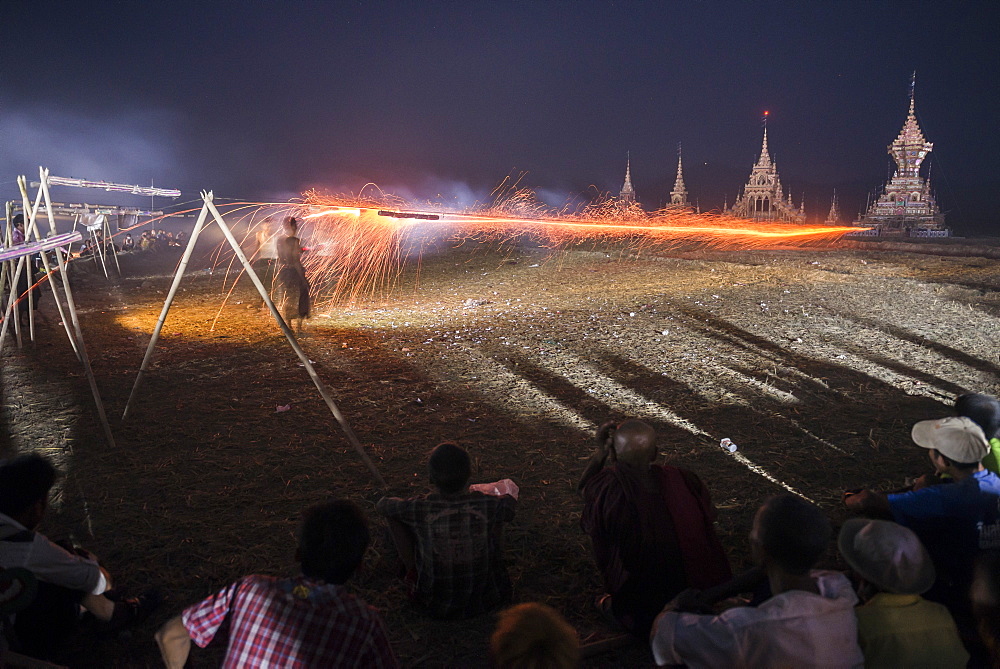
column 114, row 250
column 8, row 272
column 320, row 386
column 99, row 250
column 9, row 311
column 166, row 306
column 81, row 347
column 23, row 186
column 6, row 238
column 30, row 271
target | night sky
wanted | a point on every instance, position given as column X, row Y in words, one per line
column 442, row 100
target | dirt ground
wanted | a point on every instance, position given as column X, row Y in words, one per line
column 814, row 362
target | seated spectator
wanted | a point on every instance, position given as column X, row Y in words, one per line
column 68, row 577
column 534, row 636
column 450, row 541
column 985, row 412
column 808, row 622
column 16, row 230
column 986, row 603
column 896, row 626
column 650, row 526
column 952, row 520
column 18, row 588
column 307, row 621
column 128, row 244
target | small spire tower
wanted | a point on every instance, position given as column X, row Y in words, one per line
column 833, row 218
column 627, row 194
column 679, row 195
column 763, row 196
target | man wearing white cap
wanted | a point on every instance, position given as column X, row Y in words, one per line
column 953, row 520
column 896, row 626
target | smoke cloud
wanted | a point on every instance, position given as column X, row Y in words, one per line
column 129, row 148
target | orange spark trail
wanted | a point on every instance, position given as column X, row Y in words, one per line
column 356, row 254
column 359, row 253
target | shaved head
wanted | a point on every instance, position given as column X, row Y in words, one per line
column 635, row 443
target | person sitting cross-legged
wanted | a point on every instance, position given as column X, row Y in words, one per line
column 896, row 626
column 68, row 577
column 651, row 527
column 450, row 541
column 807, row 622
column 306, row 621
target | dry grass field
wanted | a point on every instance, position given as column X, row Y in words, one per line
column 814, row 362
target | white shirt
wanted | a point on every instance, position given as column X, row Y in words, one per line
column 48, row 562
column 793, row 629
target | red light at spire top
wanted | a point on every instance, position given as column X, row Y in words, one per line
column 766, row 112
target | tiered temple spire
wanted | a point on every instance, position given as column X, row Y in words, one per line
column 763, row 197
column 833, row 218
column 679, row 195
column 627, row 194
column 907, row 203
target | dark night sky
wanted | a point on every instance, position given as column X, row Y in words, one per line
column 262, row 100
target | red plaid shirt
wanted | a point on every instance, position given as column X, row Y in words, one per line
column 293, row 622
column 460, row 569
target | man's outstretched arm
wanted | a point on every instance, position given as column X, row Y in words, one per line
column 868, row 503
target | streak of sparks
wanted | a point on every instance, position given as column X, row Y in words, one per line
column 356, row 246
column 359, row 245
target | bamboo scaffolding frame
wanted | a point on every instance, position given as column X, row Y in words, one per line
column 209, row 207
column 81, row 348
column 31, row 228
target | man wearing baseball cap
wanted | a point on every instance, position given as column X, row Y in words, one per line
column 896, row 626
column 953, row 520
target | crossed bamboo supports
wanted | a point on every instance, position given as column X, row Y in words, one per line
column 11, row 274
column 209, row 208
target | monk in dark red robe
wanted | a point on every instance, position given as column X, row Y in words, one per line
column 650, row 526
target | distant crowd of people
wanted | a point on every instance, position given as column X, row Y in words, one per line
column 149, row 241
column 922, row 588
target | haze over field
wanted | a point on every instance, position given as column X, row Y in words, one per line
column 440, row 101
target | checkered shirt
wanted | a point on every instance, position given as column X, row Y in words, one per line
column 460, row 569
column 293, row 622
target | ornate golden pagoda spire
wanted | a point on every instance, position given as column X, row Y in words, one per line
column 907, row 206
column 910, row 148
